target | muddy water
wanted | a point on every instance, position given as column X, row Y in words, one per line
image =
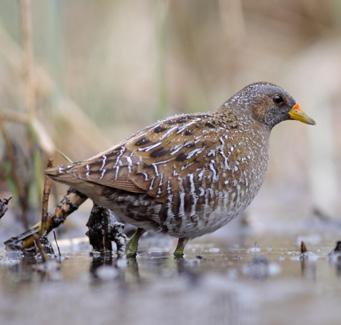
column 239, row 278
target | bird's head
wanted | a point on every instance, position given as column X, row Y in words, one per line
column 269, row 104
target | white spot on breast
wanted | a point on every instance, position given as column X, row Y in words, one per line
column 201, row 174
column 170, row 213
column 155, row 169
column 182, row 198
column 214, row 171
column 193, row 194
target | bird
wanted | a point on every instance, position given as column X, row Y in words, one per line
column 189, row 174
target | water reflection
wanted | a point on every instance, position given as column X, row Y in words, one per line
column 308, row 268
column 214, row 282
column 335, row 258
column 97, row 261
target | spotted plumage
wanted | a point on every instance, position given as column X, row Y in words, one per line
column 188, row 174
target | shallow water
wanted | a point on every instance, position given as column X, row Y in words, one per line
column 244, row 277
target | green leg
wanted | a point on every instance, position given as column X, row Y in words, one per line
column 179, row 251
column 131, row 249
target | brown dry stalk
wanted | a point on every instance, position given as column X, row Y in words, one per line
column 45, row 202
column 14, row 176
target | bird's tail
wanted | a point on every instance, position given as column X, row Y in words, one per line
column 63, row 173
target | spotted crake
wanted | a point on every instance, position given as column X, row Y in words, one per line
column 189, row 174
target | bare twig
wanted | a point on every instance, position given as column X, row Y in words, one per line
column 68, row 159
column 55, row 239
column 40, row 247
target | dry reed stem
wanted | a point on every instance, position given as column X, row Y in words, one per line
column 28, row 63
column 232, row 20
column 88, row 134
column 45, row 202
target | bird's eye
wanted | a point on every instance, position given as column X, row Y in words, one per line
column 278, row 99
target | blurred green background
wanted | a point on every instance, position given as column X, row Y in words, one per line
column 103, row 69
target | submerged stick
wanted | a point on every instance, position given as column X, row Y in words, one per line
column 303, row 248
column 70, row 202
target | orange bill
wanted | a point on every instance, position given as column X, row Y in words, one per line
column 296, row 113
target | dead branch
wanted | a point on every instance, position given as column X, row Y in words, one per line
column 4, row 206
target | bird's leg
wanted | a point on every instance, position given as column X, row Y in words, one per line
column 179, row 251
column 98, row 233
column 132, row 245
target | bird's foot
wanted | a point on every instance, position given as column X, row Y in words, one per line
column 179, row 251
column 132, row 245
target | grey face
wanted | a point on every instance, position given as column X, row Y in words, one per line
column 266, row 102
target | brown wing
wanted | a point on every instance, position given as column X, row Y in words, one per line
column 151, row 160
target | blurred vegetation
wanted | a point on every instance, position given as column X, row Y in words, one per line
column 89, row 73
